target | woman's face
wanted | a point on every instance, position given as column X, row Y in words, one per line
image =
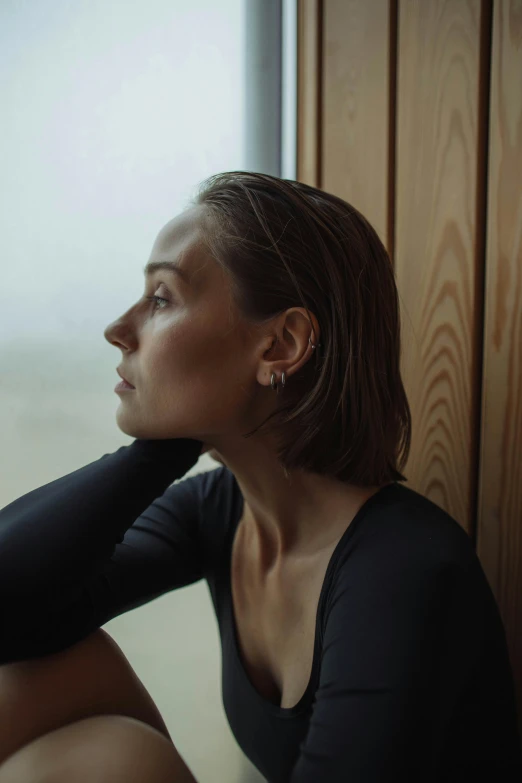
column 188, row 355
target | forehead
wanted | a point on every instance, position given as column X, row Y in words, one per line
column 182, row 233
column 180, row 242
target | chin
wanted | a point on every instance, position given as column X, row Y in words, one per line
column 126, row 430
column 133, row 430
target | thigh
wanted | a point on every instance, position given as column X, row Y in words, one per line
column 102, row 749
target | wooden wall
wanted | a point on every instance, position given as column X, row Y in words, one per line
column 412, row 112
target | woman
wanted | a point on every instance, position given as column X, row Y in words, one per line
column 360, row 638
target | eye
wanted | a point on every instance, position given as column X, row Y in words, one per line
column 157, row 300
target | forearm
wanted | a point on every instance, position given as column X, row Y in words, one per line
column 58, row 533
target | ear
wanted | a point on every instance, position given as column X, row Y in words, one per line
column 289, row 344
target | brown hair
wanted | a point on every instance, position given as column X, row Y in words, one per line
column 345, row 413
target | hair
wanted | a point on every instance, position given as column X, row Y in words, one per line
column 282, row 243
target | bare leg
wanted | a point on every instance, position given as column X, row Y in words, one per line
column 92, row 677
column 102, row 749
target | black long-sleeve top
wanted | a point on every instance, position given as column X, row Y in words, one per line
column 411, row 679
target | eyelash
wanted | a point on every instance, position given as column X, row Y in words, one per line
column 157, row 299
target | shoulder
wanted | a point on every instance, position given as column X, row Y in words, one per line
column 404, row 544
column 407, row 572
column 411, row 526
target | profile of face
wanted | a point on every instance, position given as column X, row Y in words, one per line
column 194, row 363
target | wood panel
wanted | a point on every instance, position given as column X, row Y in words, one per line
column 499, row 539
column 437, row 251
column 309, row 80
column 413, row 113
column 355, row 143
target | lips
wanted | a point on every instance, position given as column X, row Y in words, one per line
column 123, row 378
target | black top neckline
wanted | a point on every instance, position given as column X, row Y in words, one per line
column 389, row 490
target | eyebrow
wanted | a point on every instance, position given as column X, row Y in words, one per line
column 170, row 266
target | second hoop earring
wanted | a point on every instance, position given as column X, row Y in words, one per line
column 273, row 377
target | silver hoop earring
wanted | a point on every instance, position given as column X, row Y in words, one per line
column 283, row 376
column 272, row 381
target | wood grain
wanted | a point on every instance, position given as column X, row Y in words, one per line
column 436, row 250
column 413, row 113
column 309, row 80
column 499, row 540
column 356, row 107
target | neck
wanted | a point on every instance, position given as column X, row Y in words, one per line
column 298, row 514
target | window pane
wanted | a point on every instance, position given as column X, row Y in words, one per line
column 112, row 114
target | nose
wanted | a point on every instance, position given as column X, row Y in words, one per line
column 115, row 332
column 122, row 331
column 108, row 332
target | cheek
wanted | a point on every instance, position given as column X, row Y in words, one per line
column 166, row 351
column 188, row 353
column 187, row 359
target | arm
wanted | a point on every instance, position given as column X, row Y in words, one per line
column 68, row 560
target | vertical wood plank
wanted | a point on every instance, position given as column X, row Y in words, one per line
column 436, row 249
column 309, row 81
column 499, row 538
column 356, row 108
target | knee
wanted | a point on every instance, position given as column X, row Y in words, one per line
column 105, row 748
column 108, row 748
column 115, row 749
